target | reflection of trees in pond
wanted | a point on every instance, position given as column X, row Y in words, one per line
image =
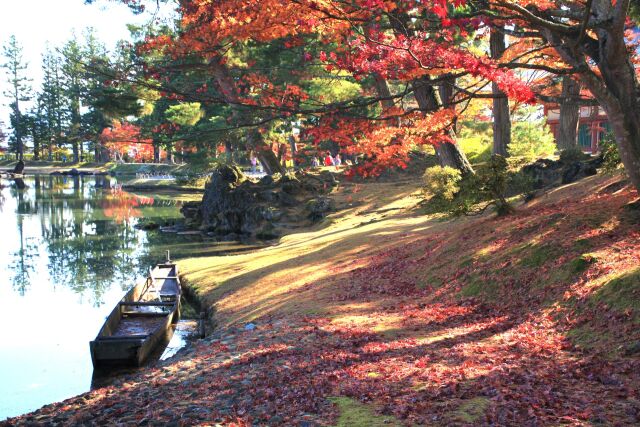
column 86, row 251
column 22, row 264
column 122, row 206
column 85, row 232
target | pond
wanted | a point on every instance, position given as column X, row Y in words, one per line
column 69, row 250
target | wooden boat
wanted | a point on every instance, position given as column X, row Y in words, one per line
column 141, row 321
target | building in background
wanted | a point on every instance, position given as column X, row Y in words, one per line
column 593, row 125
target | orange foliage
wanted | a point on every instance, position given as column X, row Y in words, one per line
column 124, row 138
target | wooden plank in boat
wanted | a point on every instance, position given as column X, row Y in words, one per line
column 145, row 313
column 148, row 303
column 124, row 337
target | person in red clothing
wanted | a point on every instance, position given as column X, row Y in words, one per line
column 328, row 160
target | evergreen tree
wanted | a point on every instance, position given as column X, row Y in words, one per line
column 19, row 91
column 73, row 83
column 53, row 101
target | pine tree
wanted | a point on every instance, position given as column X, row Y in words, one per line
column 73, row 73
column 52, row 99
column 19, row 91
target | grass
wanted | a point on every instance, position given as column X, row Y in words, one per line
column 621, row 293
column 161, row 168
column 356, row 414
column 535, row 255
column 471, row 410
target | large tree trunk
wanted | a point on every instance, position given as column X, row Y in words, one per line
column 569, row 114
column 501, row 117
column 254, row 139
column 616, row 87
column 382, row 89
column 429, row 100
column 36, row 146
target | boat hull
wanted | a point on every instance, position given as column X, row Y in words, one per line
column 140, row 322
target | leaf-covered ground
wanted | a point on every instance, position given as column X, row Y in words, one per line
column 386, row 317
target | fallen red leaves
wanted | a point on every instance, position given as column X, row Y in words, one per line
column 423, row 354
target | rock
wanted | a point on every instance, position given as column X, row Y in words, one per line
column 286, row 199
column 147, row 225
column 191, row 210
column 266, row 180
column 543, row 172
column 547, row 172
column 319, row 207
column 329, row 178
column 272, row 214
column 577, row 170
column 231, row 237
column 56, row 173
column 268, row 232
column 292, row 187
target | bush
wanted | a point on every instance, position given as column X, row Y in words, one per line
column 531, row 140
column 473, row 193
column 477, row 148
column 611, row 161
column 442, row 183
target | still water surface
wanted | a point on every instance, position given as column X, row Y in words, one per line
column 68, row 252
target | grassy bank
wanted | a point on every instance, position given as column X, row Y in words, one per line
column 384, row 316
column 157, row 168
column 46, row 167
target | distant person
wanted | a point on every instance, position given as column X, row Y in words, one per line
column 315, row 162
column 328, row 160
column 337, row 161
column 254, row 163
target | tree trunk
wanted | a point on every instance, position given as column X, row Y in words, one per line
column 156, row 152
column 254, row 138
column 382, row 89
column 228, row 151
column 36, row 146
column 428, row 101
column 501, row 117
column 294, row 150
column 616, row 87
column 264, row 153
column 569, row 114
column 170, row 159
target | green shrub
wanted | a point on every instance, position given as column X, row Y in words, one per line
column 473, row 193
column 442, row 183
column 531, row 140
column 477, row 147
column 610, row 155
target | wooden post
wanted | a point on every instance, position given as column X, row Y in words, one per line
column 201, row 324
column 168, row 256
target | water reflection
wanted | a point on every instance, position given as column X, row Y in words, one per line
column 68, row 250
